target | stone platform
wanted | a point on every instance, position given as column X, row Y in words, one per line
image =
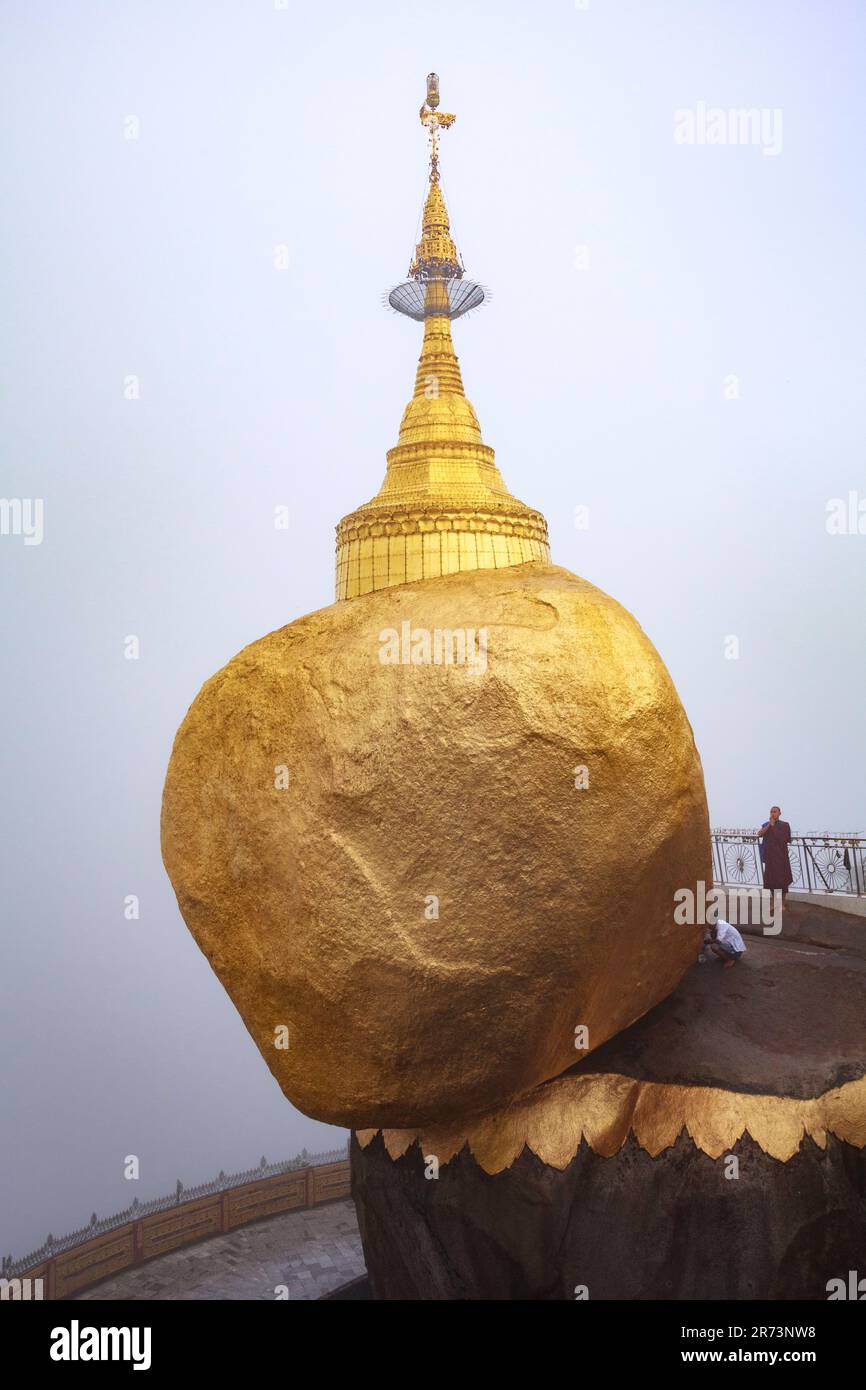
column 312, row 1252
column 789, row 1020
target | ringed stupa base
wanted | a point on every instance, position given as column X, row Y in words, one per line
column 714, row 1150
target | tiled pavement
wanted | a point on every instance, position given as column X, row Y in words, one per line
column 310, row 1252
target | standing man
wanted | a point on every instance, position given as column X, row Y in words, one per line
column 775, row 837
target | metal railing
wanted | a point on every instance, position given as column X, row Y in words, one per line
column 52, row 1246
column 820, row 862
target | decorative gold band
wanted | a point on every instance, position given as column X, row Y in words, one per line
column 603, row 1109
column 378, row 548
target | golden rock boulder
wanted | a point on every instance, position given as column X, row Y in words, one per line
column 418, row 876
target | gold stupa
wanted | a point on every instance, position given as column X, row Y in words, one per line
column 443, row 506
column 421, row 876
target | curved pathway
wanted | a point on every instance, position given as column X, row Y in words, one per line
column 310, row 1252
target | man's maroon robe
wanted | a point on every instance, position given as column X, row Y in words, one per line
column 777, row 865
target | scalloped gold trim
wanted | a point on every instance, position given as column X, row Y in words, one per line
column 604, row 1108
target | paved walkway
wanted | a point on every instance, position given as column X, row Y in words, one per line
column 310, row 1252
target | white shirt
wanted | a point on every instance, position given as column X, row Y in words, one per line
column 729, row 936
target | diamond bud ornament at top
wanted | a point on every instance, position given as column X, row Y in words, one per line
column 379, row 839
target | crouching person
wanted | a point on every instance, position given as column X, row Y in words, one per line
column 726, row 943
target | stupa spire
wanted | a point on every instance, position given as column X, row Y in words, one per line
column 443, row 505
column 435, row 252
column 436, row 256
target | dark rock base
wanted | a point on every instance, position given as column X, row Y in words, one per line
column 626, row 1227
